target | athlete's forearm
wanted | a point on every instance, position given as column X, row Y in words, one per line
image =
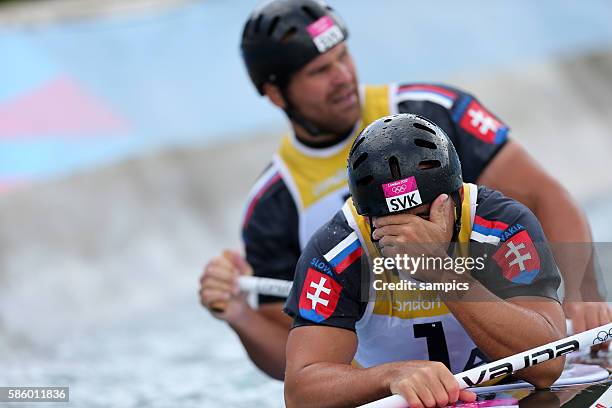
column 567, row 229
column 501, row 328
column 590, row 289
column 337, row 385
column 264, row 340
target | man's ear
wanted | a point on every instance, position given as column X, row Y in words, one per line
column 274, row 94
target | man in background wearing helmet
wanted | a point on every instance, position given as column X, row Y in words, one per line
column 296, row 55
column 353, row 342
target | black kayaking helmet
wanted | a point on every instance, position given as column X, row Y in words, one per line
column 282, row 36
column 400, row 162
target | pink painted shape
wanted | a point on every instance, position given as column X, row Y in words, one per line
column 61, row 106
column 399, row 187
column 320, row 26
column 6, row 185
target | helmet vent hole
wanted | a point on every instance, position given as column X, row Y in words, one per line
column 395, row 167
column 357, row 143
column 423, row 127
column 425, row 143
column 429, row 164
column 257, row 24
column 425, row 119
column 363, row 157
column 365, row 180
column 388, row 120
column 309, row 13
column 245, row 33
column 273, row 25
column 287, row 36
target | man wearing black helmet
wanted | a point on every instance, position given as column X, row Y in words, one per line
column 356, row 337
column 296, row 55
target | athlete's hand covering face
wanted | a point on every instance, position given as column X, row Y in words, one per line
column 418, row 232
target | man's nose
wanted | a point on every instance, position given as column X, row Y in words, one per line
column 342, row 73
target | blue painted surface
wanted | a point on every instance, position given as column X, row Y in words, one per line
column 24, row 65
column 178, row 78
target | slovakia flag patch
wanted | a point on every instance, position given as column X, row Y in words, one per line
column 518, row 258
column 319, row 297
column 479, row 122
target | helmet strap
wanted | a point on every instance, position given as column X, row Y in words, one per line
column 297, row 117
column 375, row 241
column 456, row 196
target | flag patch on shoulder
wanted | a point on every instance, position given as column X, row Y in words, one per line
column 319, row 297
column 345, row 253
column 518, row 258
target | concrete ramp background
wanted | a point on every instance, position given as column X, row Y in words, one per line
column 125, row 237
column 100, row 259
column 561, row 112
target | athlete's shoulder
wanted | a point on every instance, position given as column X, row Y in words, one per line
column 336, row 243
column 440, row 94
column 463, row 108
column 269, row 190
column 327, row 284
column 331, row 233
column 498, row 217
column 269, row 182
column 516, row 247
column 492, row 202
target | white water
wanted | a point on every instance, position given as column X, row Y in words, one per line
column 99, row 279
column 175, row 356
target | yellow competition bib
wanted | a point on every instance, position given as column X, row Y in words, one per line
column 317, row 178
column 411, row 324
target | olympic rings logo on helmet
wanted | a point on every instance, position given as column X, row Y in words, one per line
column 399, row 189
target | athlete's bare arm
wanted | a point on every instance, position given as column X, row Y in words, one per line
column 263, row 333
column 517, row 175
column 319, row 374
column 511, row 326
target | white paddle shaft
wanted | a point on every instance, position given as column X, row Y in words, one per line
column 514, row 363
column 265, row 286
